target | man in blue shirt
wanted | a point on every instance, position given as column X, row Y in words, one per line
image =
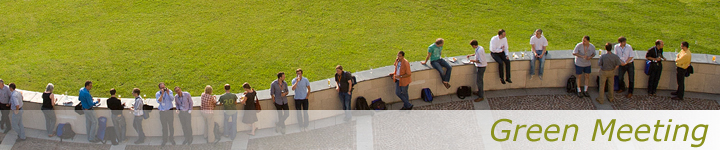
column 184, row 104
column 91, row 123
column 301, row 86
column 16, row 104
column 165, row 99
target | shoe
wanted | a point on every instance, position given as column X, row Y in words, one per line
column 411, row 107
column 509, row 81
column 277, row 129
column 629, row 95
column 620, row 91
column 540, row 77
column 531, row 77
column 94, row 141
column 6, row 130
column 598, row 100
column 676, row 98
column 673, row 93
column 163, row 144
column 612, row 100
column 19, row 139
column 140, row 141
column 580, row 94
column 502, row 81
column 586, row 94
column 172, row 142
column 184, row 142
column 476, row 94
column 479, row 99
column 282, row 130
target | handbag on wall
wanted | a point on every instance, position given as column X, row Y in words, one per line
column 257, row 104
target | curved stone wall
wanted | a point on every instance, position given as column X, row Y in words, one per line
column 376, row 84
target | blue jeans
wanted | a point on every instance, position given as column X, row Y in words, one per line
column 230, row 125
column 91, row 124
column 402, row 93
column 119, row 122
column 17, row 123
column 439, row 65
column 49, row 119
column 345, row 101
column 533, row 65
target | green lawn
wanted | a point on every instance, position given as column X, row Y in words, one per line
column 123, row 44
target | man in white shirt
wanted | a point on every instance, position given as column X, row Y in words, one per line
column 538, row 44
column 480, row 63
column 499, row 49
column 626, row 54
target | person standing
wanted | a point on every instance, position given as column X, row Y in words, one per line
column 229, row 101
column 538, row 43
column 626, row 54
column 165, row 98
column 499, row 49
column 279, row 92
column 343, row 84
column 207, row 105
column 137, row 111
column 655, row 56
column 118, row 119
column 184, row 105
column 16, row 105
column 48, row 109
column 434, row 54
column 402, row 78
column 301, row 86
column 87, row 102
column 608, row 63
column 480, row 64
column 250, row 114
column 583, row 52
column 5, row 107
column 682, row 61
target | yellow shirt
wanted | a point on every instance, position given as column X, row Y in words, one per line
column 683, row 59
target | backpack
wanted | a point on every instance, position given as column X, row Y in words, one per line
column 102, row 124
column 218, row 132
column 146, row 111
column 361, row 104
column 65, row 131
column 426, row 95
column 571, row 84
column 378, row 104
column 464, row 91
column 79, row 109
column 110, row 136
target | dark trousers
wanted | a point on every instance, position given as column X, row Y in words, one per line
column 166, row 121
column 502, row 60
column 119, row 122
column 137, row 124
column 630, row 69
column 479, row 81
column 283, row 113
column 5, row 122
column 301, row 106
column 654, row 79
column 681, row 82
column 185, row 121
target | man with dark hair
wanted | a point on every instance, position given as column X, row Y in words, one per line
column 480, row 64
column 401, row 76
column 118, row 119
column 5, row 107
column 278, row 92
column 87, row 102
column 301, row 86
column 343, row 84
column 499, row 52
column 655, row 56
column 682, row 61
column 229, row 101
column 436, row 61
column 608, row 63
column 184, row 105
column 137, row 111
column 165, row 98
column 583, row 52
column 626, row 54
column 538, row 43
column 16, row 104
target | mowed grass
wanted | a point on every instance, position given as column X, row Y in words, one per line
column 192, row 43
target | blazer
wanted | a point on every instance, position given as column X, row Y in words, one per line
column 404, row 71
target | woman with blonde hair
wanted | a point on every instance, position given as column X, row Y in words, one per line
column 250, row 114
column 207, row 105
